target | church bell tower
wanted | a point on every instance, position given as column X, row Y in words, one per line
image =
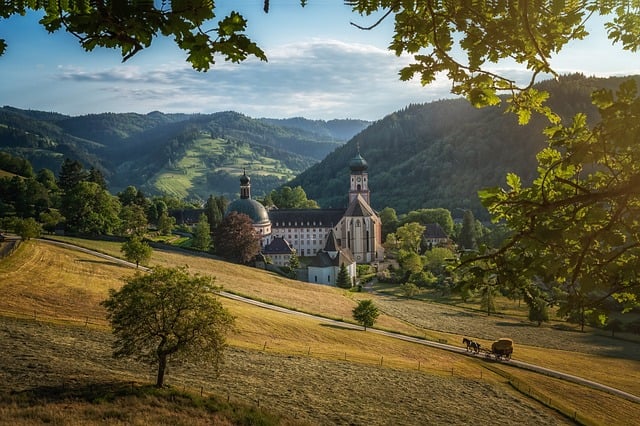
column 359, row 178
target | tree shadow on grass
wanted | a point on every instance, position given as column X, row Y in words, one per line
column 92, row 392
column 348, row 327
column 99, row 262
column 516, row 324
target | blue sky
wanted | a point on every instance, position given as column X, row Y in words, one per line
column 320, row 67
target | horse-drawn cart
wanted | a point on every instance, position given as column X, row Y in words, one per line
column 501, row 348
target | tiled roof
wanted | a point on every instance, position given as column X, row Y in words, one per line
column 359, row 208
column 323, row 260
column 332, row 242
column 278, row 245
column 305, row 218
column 434, row 230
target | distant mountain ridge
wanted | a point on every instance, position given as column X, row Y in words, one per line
column 186, row 155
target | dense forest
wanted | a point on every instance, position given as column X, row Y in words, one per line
column 440, row 154
column 189, row 156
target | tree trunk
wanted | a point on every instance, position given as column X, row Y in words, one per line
column 162, row 365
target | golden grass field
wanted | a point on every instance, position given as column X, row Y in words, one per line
column 300, row 367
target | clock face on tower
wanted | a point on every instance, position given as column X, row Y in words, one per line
column 358, row 178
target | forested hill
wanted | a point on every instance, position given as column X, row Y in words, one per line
column 188, row 156
column 440, row 154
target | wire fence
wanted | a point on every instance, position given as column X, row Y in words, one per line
column 281, row 348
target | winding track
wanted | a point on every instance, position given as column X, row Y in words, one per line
column 443, row 346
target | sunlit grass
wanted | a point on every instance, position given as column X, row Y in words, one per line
column 75, row 284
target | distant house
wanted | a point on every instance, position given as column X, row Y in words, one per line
column 434, row 236
column 279, row 251
column 326, row 264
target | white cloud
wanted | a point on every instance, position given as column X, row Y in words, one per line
column 316, row 79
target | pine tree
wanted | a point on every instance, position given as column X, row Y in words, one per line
column 343, row 280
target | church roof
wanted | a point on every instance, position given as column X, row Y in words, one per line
column 323, row 260
column 358, row 164
column 305, row 218
column 251, row 208
column 332, row 242
column 359, row 208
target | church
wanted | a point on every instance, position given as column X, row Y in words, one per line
column 357, row 229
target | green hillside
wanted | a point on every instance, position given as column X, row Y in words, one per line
column 219, row 163
column 189, row 156
column 440, row 154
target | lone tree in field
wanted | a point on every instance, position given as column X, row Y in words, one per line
column 366, row 313
column 166, row 315
column 538, row 311
column 136, row 250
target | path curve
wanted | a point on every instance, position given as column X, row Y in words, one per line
column 520, row 364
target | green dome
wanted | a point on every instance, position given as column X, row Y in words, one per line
column 251, row 208
column 358, row 164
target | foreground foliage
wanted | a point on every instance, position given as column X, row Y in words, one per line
column 168, row 315
column 576, row 229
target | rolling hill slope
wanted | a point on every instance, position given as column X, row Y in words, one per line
column 188, row 156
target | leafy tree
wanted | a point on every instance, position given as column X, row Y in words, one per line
column 166, row 223
column 539, row 311
column 72, row 172
column 468, row 234
column 576, row 227
column 437, row 260
column 236, row 239
column 614, row 324
column 409, row 237
column 27, row 228
column 168, row 315
column 132, row 196
column 214, row 208
column 389, row 220
column 410, row 289
column 89, row 209
column 96, row 176
column 136, row 250
column 486, row 33
column 366, row 313
column 409, row 261
column 201, row 234
column 48, row 179
column 288, row 198
column 488, row 292
column 343, row 280
column 133, row 220
column 425, row 216
column 50, row 219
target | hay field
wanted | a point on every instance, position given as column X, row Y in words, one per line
column 293, row 366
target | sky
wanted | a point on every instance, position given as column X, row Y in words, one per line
column 320, row 67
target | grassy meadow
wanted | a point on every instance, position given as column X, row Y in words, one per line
column 300, row 370
column 209, row 156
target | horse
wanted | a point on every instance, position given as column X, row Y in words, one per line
column 471, row 345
